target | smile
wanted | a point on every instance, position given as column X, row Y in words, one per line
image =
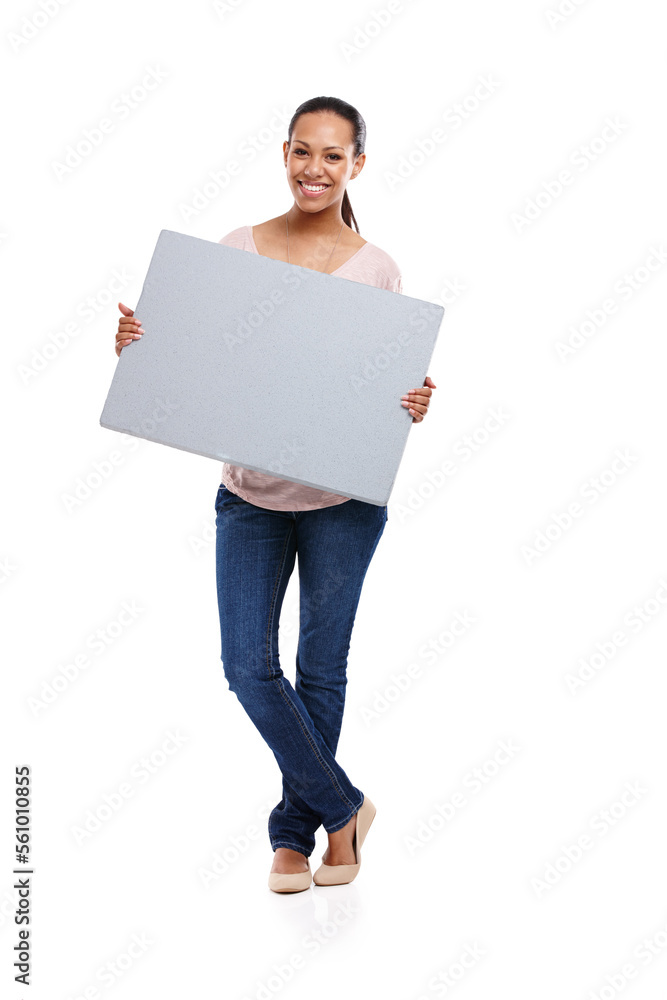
column 313, row 189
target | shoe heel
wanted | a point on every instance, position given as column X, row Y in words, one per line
column 342, row 874
column 365, row 817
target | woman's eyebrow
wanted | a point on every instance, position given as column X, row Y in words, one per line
column 324, row 148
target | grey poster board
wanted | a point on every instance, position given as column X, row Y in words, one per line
column 273, row 367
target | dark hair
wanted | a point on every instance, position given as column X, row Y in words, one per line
column 350, row 114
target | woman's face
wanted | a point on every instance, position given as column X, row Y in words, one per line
column 321, row 155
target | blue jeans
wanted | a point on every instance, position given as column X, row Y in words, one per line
column 255, row 555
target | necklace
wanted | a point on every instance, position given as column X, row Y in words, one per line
column 330, row 255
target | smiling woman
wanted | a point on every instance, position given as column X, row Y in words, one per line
column 323, row 153
column 263, row 521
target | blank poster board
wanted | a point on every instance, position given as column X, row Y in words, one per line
column 273, row 367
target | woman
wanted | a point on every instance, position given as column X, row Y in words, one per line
column 262, row 522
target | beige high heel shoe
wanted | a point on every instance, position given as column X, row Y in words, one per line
column 341, row 874
column 295, row 882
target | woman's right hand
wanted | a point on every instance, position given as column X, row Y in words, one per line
column 129, row 329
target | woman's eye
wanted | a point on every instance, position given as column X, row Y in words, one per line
column 335, row 156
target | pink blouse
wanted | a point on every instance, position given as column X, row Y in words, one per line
column 369, row 265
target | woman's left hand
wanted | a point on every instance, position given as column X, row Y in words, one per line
column 417, row 400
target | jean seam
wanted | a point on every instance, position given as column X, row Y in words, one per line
column 361, row 587
column 345, row 821
column 349, row 637
column 327, row 770
column 291, row 847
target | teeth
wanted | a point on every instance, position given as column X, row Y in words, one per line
column 310, row 187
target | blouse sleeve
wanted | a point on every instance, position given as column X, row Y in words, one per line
column 394, row 284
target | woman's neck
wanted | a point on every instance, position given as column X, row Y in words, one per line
column 328, row 222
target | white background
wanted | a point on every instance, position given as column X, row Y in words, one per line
column 493, row 881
